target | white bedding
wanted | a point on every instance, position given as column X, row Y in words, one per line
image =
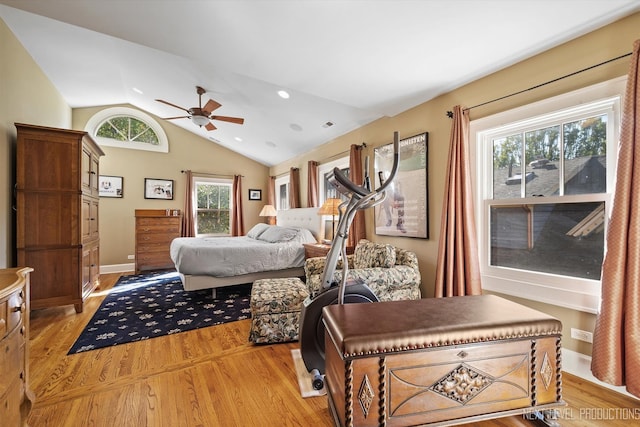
column 233, row 256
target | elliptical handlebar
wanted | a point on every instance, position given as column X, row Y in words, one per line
column 360, row 198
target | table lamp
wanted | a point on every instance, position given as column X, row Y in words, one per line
column 268, row 211
column 330, row 207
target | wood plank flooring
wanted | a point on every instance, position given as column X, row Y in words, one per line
column 208, row 377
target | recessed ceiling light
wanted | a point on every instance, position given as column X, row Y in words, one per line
column 271, row 144
column 136, row 90
column 283, row 94
column 237, row 138
column 296, row 127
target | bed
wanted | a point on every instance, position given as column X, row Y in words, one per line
column 265, row 252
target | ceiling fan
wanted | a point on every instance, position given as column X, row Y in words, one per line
column 200, row 115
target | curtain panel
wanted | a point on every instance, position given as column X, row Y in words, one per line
column 458, row 267
column 357, row 230
column 271, row 197
column 616, row 339
column 312, row 184
column 294, row 188
column 188, row 217
column 237, row 221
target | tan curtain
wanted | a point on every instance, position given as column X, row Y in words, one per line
column 188, row 220
column 237, row 222
column 312, row 184
column 271, row 197
column 458, row 268
column 357, row 230
column 294, row 188
column 616, row 341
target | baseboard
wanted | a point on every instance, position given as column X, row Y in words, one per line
column 117, row 268
column 579, row 364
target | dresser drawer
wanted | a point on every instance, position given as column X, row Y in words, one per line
column 11, row 358
column 152, row 222
column 164, row 238
column 15, row 310
column 154, row 260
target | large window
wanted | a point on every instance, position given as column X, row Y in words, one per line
column 546, row 179
column 282, row 192
column 327, row 190
column 213, row 204
column 127, row 128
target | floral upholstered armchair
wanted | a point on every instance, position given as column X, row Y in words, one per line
column 391, row 273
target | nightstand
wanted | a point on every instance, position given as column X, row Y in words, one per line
column 312, row 250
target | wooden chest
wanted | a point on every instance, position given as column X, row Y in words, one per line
column 439, row 361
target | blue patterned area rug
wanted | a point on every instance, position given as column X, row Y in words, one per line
column 149, row 305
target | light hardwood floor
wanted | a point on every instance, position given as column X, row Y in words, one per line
column 208, row 377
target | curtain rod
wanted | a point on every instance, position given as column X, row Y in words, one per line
column 210, row 174
column 450, row 113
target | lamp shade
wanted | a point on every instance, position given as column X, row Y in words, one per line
column 330, row 207
column 268, row 210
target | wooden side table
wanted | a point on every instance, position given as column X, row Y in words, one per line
column 313, row 250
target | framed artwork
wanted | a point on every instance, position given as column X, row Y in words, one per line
column 405, row 211
column 110, row 186
column 158, row 188
column 255, row 194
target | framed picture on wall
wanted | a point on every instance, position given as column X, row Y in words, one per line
column 405, row 211
column 158, row 188
column 110, row 186
column 255, row 194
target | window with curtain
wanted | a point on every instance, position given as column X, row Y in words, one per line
column 327, row 190
column 127, row 128
column 282, row 192
column 546, row 180
column 213, row 202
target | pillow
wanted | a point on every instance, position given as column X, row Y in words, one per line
column 257, row 230
column 369, row 255
column 275, row 234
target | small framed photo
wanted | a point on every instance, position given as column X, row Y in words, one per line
column 255, row 194
column 158, row 188
column 110, row 186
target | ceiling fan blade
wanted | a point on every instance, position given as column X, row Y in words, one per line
column 210, row 106
column 178, row 117
column 236, row 120
column 210, row 126
column 173, row 105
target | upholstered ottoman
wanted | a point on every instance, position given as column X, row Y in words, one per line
column 440, row 361
column 275, row 309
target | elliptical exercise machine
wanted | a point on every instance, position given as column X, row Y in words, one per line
column 311, row 326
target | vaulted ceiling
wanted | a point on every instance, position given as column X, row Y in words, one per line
column 344, row 63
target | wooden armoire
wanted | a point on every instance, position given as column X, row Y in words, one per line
column 57, row 203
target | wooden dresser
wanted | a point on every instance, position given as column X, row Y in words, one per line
column 155, row 229
column 15, row 396
column 57, row 204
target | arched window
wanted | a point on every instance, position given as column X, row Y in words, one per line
column 127, row 128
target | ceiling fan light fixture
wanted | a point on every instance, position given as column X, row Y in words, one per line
column 200, row 120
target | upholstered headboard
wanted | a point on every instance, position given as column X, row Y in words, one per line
column 303, row 217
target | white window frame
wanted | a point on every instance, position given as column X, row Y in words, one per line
column 97, row 119
column 325, row 168
column 575, row 293
column 283, row 180
column 194, row 199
